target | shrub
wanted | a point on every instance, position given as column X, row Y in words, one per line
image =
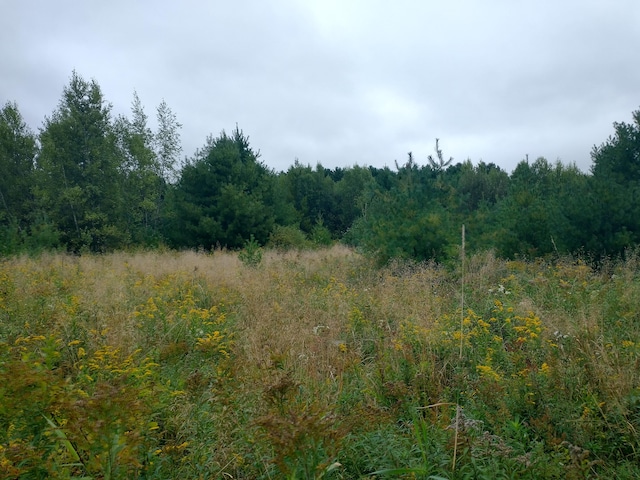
column 287, row 238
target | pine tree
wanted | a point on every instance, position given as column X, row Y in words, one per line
column 17, row 153
column 222, row 196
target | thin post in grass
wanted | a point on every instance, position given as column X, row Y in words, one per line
column 462, row 255
column 455, row 438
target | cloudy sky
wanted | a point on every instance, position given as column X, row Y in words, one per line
column 343, row 82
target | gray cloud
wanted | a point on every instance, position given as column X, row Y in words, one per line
column 343, row 82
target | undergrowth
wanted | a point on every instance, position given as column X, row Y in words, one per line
column 317, row 365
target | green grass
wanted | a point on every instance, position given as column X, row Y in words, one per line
column 317, row 365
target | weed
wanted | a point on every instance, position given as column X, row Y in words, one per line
column 317, row 364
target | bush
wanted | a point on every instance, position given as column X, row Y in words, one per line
column 288, row 237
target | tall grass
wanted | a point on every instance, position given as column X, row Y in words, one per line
column 317, row 364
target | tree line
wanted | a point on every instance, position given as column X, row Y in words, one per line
column 92, row 182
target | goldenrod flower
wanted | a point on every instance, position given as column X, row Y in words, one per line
column 483, row 324
column 488, row 372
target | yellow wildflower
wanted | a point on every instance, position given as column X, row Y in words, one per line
column 483, row 324
column 487, row 372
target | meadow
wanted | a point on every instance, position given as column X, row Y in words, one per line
column 317, row 364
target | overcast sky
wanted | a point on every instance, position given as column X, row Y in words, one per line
column 343, row 82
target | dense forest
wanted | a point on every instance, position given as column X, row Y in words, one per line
column 92, row 182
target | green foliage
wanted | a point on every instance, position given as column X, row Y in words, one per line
column 144, row 171
column 527, row 212
column 40, row 236
column 288, row 237
column 17, row 152
column 481, row 184
column 387, row 446
column 119, row 366
column 305, row 436
column 79, row 171
column 351, row 197
column 91, row 183
column 74, row 404
column 10, row 239
column 222, row 197
column 544, row 212
column 617, row 159
column 312, row 194
column 166, row 142
column 251, row 254
column 320, row 234
column 98, row 183
column 616, row 185
column 404, row 222
column 88, row 425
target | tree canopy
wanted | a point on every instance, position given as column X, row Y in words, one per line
column 90, row 182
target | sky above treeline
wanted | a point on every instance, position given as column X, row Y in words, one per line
column 343, row 82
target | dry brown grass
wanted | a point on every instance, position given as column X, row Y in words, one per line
column 294, row 309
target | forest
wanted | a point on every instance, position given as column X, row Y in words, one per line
column 89, row 181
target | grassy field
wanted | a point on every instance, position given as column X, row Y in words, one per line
column 317, row 365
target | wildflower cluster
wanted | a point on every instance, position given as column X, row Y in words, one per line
column 90, row 410
column 112, row 369
column 74, row 402
column 516, row 330
column 410, row 337
column 173, row 315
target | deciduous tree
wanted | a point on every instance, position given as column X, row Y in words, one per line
column 79, row 170
column 144, row 185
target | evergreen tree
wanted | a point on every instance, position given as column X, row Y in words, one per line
column 546, row 211
column 223, row 196
column 312, row 195
column 17, row 154
column 573, row 228
column 351, row 196
column 481, row 184
column 406, row 221
column 616, row 185
column 525, row 213
column 439, row 164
